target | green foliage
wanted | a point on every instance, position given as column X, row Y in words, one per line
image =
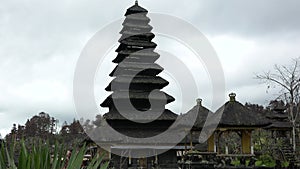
column 43, row 156
column 285, row 164
column 235, row 162
column 265, row 160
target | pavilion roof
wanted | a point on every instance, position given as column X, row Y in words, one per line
column 202, row 114
column 234, row 114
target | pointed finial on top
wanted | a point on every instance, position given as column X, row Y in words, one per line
column 232, row 97
column 199, row 102
column 136, row 2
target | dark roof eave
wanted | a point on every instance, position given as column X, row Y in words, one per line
column 241, row 126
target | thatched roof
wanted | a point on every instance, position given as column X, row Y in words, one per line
column 104, row 135
column 127, row 26
column 140, row 79
column 135, row 9
column 136, row 95
column 237, row 115
column 144, row 52
column 143, row 66
column 123, row 47
column 129, row 67
column 155, row 95
column 138, row 83
column 110, row 137
column 277, row 115
column 156, row 80
column 114, row 115
column 280, row 125
column 278, row 105
column 279, row 119
column 143, row 56
column 136, row 58
column 135, row 36
column 202, row 113
column 138, row 43
column 141, row 17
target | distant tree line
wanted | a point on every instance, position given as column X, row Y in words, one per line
column 45, row 127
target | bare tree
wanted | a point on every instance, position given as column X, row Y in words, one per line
column 288, row 79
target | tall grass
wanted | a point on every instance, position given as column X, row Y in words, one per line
column 44, row 156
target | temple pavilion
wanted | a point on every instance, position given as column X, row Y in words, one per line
column 238, row 119
column 235, row 120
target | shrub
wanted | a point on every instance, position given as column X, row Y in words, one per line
column 266, row 160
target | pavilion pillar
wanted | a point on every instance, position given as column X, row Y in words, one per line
column 211, row 143
column 226, row 149
column 246, row 142
column 191, row 140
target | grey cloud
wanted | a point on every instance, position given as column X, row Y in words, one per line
column 250, row 17
column 40, row 42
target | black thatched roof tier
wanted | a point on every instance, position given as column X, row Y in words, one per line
column 139, row 53
column 138, row 17
column 134, row 47
column 133, row 50
column 277, row 115
column 137, row 83
column 131, row 36
column 134, row 21
column 136, row 58
column 135, row 71
column 132, row 65
column 136, row 9
column 138, row 97
column 114, row 115
column 278, row 105
column 237, row 115
column 279, row 125
column 133, row 29
column 279, row 119
column 131, row 68
column 142, row 56
column 107, row 135
column 141, row 79
column 128, row 31
column 137, row 42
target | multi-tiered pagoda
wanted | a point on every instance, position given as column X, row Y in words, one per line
column 136, row 80
column 136, row 90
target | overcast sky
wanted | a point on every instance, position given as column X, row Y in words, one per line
column 41, row 42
